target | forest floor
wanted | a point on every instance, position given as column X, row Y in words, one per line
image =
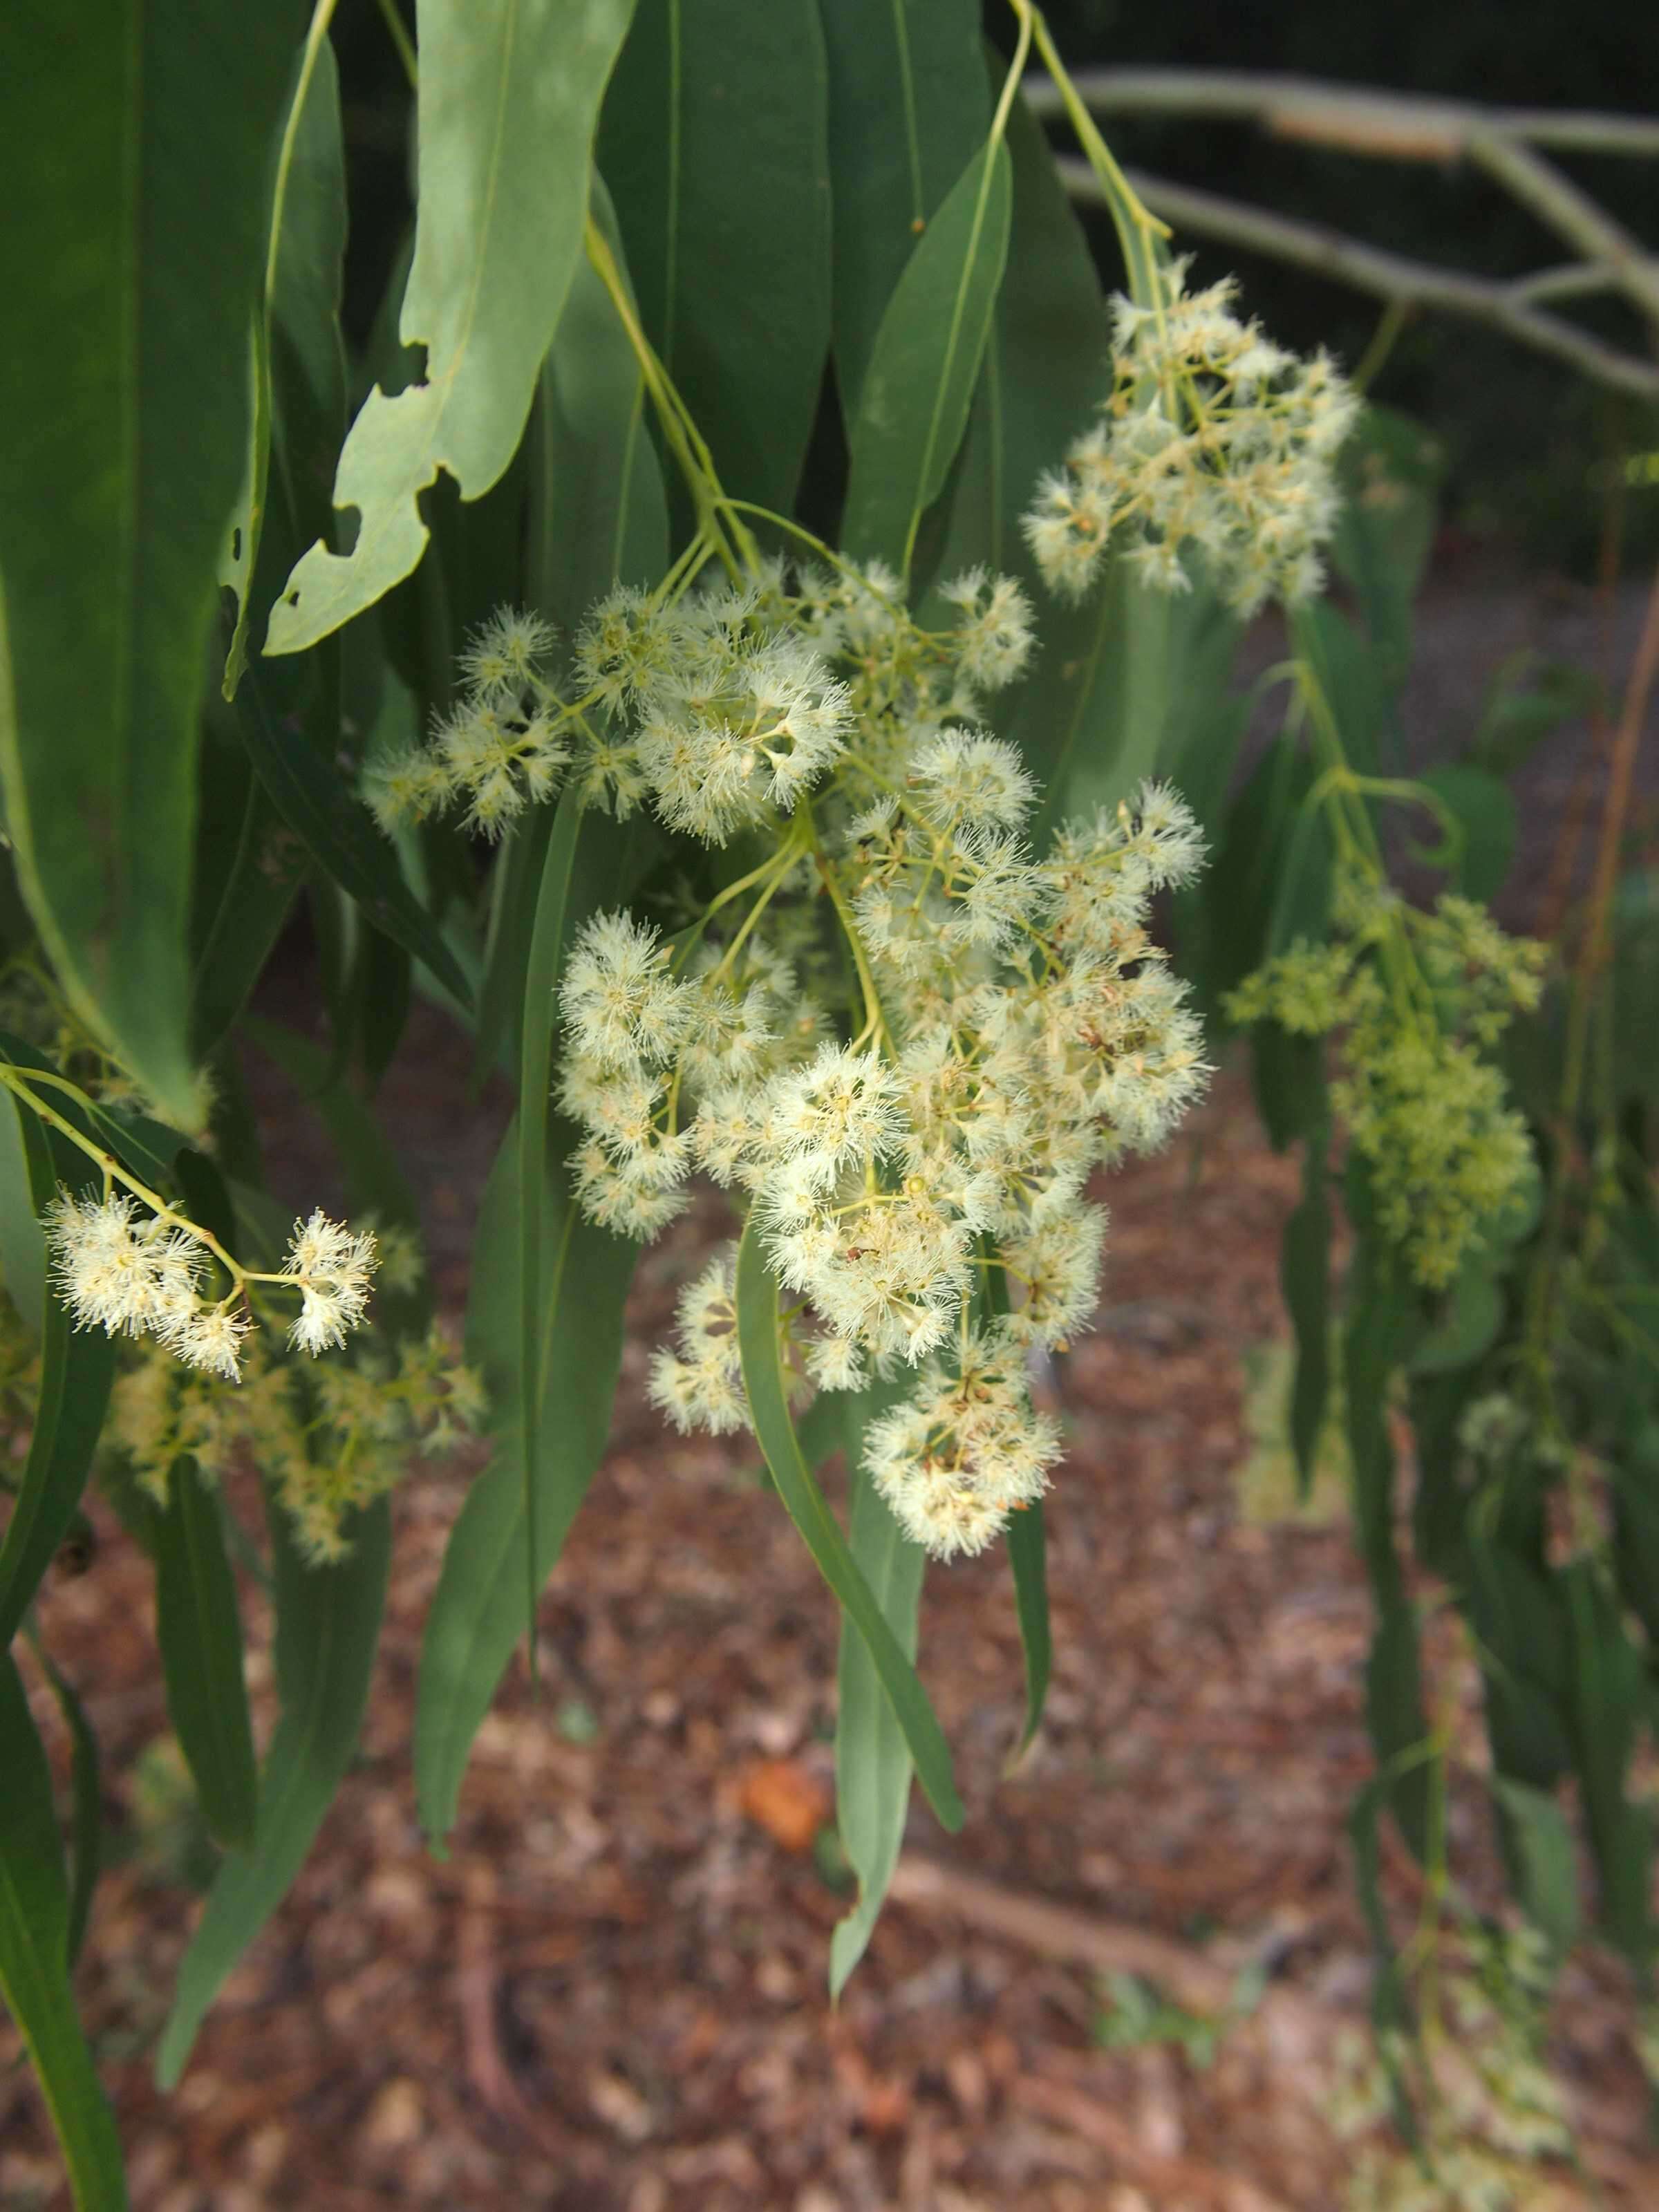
column 611, row 1993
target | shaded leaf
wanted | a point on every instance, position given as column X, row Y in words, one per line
column 479, row 1611
column 714, row 145
column 907, row 108
column 872, row 1760
column 87, row 1817
column 509, row 94
column 328, row 1621
column 77, row 1367
column 34, row 1942
column 1304, row 1269
column 1027, row 1542
column 313, row 798
column 597, row 513
column 298, row 360
column 1541, row 1850
column 914, row 401
column 130, row 286
column 198, row 1627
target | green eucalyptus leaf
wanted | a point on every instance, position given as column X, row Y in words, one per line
column 22, row 1239
column 1390, row 471
column 873, row 1764
column 1486, row 815
column 87, row 1801
column 136, row 138
column 77, row 1367
column 479, row 1611
column 597, row 513
column 914, row 400
column 328, row 1622
column 1027, row 1556
column 1304, row 1270
column 35, row 1929
column 509, row 94
column 314, row 799
column 907, row 108
column 769, row 1404
column 374, row 1181
column 1540, row 1848
column 298, row 359
column 250, row 900
column 714, row 146
column 198, row 1627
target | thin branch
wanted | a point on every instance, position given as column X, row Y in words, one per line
column 1398, row 126
column 1386, row 275
column 1571, row 212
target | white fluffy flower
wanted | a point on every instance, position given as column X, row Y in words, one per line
column 333, row 1268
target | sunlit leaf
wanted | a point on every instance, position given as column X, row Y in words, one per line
column 509, row 93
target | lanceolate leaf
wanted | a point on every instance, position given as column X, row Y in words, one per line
column 873, row 1764
column 328, row 1621
column 714, row 147
column 907, row 108
column 549, row 942
column 510, row 90
column 478, row 1613
column 768, row 1405
column 914, row 402
column 1027, row 1555
column 34, row 1941
column 137, row 139
column 77, row 1369
column 582, row 1276
column 86, row 1820
column 319, row 806
column 1304, row 1269
column 299, row 363
column 198, row 1627
column 1044, row 373
column 598, row 515
column 22, row 1239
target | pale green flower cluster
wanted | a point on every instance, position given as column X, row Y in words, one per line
column 131, row 1271
column 1417, row 996
column 921, row 1184
column 1213, row 438
column 1489, row 2108
column 330, row 1440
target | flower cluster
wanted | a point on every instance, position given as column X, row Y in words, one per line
column 329, row 1440
column 919, row 1181
column 133, row 1272
column 719, row 707
column 1419, row 997
column 1212, row 437
column 502, row 748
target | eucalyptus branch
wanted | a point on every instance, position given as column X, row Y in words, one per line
column 1504, row 305
column 1390, row 125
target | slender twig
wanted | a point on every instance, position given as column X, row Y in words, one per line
column 1400, row 126
column 1569, row 211
column 1386, row 275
